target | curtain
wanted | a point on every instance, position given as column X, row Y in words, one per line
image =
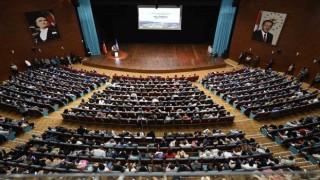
column 224, row 27
column 88, row 27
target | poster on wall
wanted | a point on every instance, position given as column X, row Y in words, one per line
column 268, row 27
column 43, row 26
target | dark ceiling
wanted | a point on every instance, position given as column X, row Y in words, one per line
column 159, row 2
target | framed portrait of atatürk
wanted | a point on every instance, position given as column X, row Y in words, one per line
column 43, row 26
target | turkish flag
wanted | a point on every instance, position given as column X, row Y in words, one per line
column 104, row 48
column 258, row 19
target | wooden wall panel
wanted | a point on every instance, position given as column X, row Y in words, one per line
column 301, row 33
column 15, row 35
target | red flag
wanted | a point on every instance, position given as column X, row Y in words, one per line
column 104, row 48
column 258, row 19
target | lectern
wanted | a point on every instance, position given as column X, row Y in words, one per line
column 115, row 53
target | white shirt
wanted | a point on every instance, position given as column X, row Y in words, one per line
column 209, row 49
column 27, row 63
column 14, row 67
column 247, row 166
column 99, row 153
column 227, row 154
column 43, row 34
column 171, row 170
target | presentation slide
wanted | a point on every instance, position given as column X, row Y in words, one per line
column 160, row 18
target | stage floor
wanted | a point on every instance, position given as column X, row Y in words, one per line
column 157, row 58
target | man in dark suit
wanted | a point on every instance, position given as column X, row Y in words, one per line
column 215, row 57
column 263, row 34
column 46, row 32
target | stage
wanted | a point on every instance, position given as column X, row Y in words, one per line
column 157, row 58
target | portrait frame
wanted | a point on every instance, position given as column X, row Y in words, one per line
column 268, row 27
column 43, row 26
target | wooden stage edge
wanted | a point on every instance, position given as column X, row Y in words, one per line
column 173, row 70
column 157, row 58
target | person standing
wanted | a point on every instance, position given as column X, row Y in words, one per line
column 23, row 109
column 256, row 61
column 28, row 64
column 215, row 57
column 241, row 58
column 290, row 70
column 315, row 80
column 304, row 72
column 247, row 61
column 14, row 69
column 270, row 64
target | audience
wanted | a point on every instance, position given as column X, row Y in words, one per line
column 149, row 101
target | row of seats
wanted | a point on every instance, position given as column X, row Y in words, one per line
column 158, row 122
column 45, row 90
column 9, row 128
column 301, row 136
column 263, row 94
column 191, row 78
column 35, row 159
column 123, row 102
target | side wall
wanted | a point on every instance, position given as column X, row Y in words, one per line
column 15, row 34
column 301, row 33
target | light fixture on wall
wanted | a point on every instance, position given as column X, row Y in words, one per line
column 297, row 54
column 279, row 51
column 316, row 61
column 250, row 49
column 33, row 49
column 12, row 51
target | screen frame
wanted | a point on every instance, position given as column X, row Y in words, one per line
column 161, row 6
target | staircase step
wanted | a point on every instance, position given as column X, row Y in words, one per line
column 305, row 163
column 300, row 160
column 271, row 146
column 281, row 153
column 277, row 148
column 311, row 168
column 254, row 136
column 268, row 144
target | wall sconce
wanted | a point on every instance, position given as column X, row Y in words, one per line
column 250, row 49
column 272, row 52
column 316, row 61
column 39, row 50
column 33, row 49
column 279, row 51
column 297, row 54
column 12, row 51
column 62, row 48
